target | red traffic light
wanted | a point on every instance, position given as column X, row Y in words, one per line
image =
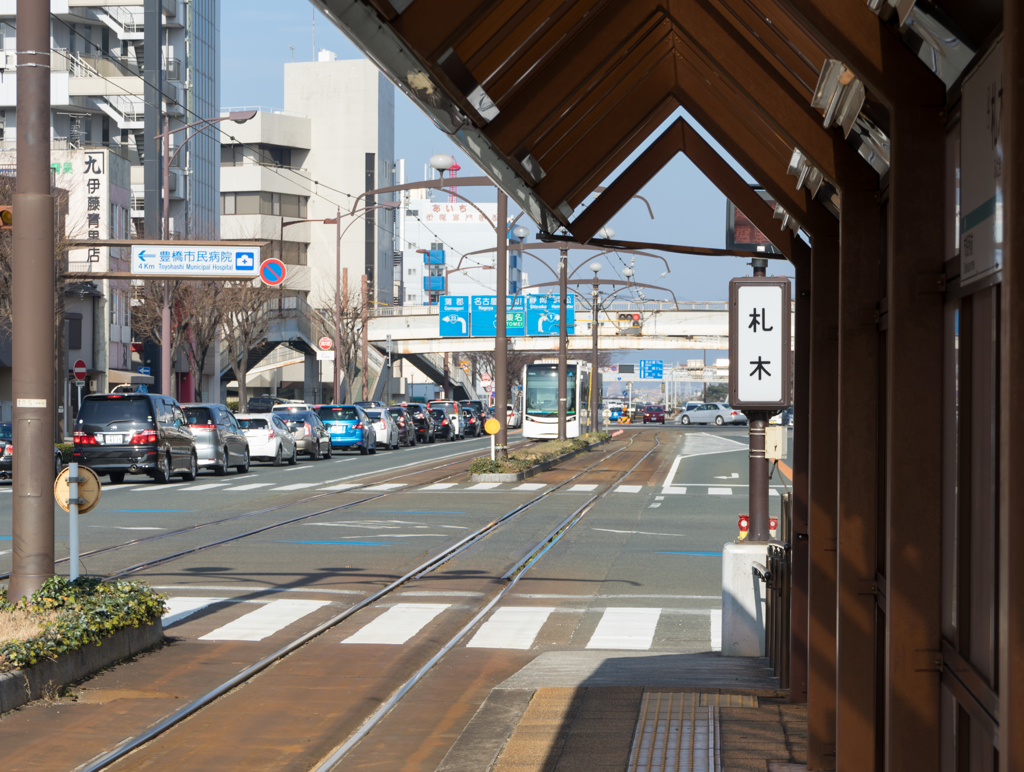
column 636, row 317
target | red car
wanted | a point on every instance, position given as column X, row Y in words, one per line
column 654, row 414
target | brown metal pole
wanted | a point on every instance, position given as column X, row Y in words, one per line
column 500, row 334
column 33, row 310
column 364, row 334
column 166, row 377
column 801, row 450
column 563, row 340
column 339, row 298
column 594, row 375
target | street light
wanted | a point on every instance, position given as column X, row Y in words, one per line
column 595, row 294
column 606, row 233
column 442, row 162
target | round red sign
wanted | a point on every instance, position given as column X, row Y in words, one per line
column 325, row 343
column 79, row 370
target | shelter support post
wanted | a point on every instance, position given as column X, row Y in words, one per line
column 500, row 336
column 801, row 433
column 1011, row 447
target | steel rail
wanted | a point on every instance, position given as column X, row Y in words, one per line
column 534, row 555
column 299, row 502
column 131, row 744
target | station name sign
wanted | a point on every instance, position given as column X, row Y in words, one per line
column 759, row 343
column 187, row 260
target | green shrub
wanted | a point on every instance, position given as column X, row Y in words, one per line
column 65, row 448
column 232, row 405
column 88, row 610
column 527, row 458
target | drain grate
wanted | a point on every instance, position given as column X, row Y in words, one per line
column 678, row 731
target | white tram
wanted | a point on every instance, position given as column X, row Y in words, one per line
column 540, row 399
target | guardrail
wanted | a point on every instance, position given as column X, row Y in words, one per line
column 778, row 581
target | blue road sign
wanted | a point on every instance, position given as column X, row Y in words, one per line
column 485, row 316
column 542, row 314
column 454, row 317
column 652, row 368
column 143, row 371
column 515, row 316
column 186, row 260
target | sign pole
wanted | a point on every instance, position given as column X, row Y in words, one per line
column 73, row 518
column 501, row 330
column 563, row 340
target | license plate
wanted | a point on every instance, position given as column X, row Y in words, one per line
column 114, row 439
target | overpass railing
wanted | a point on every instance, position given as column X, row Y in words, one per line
column 615, row 305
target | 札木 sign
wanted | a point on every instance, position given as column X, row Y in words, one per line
column 759, row 343
column 163, row 260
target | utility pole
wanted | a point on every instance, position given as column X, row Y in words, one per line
column 595, row 295
column 339, row 298
column 33, row 309
column 166, row 377
column 500, row 333
column 563, row 339
column 364, row 333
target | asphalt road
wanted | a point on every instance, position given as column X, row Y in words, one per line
column 639, row 575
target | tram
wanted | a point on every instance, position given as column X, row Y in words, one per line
column 540, row 399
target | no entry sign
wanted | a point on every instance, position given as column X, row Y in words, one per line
column 79, row 370
column 325, row 343
column 759, row 343
column 272, row 272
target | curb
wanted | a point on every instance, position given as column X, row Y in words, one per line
column 22, row 686
column 543, row 466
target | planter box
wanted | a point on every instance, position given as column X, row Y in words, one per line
column 543, row 466
column 22, row 686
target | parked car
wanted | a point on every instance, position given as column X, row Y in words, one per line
column 369, row 405
column 442, row 424
column 473, row 423
column 451, row 407
column 406, row 430
column 119, row 434
column 220, row 441
column 7, row 459
column 717, row 413
column 385, row 427
column 785, row 418
column 692, row 405
column 477, row 405
column 654, row 414
column 513, row 419
column 422, row 420
column 262, row 404
column 349, row 428
column 309, row 432
column 269, row 439
column 291, row 406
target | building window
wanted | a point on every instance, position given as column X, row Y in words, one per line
column 74, row 331
column 295, row 253
column 227, row 203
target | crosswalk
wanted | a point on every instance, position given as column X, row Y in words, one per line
column 508, row 627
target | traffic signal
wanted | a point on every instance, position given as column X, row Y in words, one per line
column 629, row 324
column 6, row 218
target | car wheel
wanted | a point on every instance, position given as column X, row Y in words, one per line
column 363, row 450
column 243, row 468
column 314, row 454
column 685, row 420
column 433, row 437
column 116, row 478
column 295, row 456
column 279, row 456
column 330, row 452
column 719, row 420
column 222, row 469
column 163, row 469
column 193, row 469
column 373, row 447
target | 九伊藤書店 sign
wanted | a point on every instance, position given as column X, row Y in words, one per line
column 163, row 260
column 759, row 343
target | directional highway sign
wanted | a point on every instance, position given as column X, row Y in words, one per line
column 652, row 368
column 759, row 343
column 542, row 312
column 485, row 316
column 196, row 261
column 454, row 317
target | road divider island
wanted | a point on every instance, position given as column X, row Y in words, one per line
column 534, row 459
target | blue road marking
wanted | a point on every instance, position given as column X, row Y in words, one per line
column 6, row 538
column 343, row 543
column 703, row 554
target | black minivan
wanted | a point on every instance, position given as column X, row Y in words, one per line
column 119, row 434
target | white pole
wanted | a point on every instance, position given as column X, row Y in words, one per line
column 79, row 395
column 492, row 447
column 73, row 514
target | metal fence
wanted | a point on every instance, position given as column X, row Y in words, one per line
column 778, row 582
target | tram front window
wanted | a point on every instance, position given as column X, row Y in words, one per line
column 542, row 390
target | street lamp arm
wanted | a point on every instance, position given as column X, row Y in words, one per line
column 615, row 282
column 602, row 189
column 205, row 123
column 463, row 182
column 628, row 252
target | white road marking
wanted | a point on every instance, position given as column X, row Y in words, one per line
column 640, row 533
column 252, row 487
column 616, row 597
column 625, row 628
column 446, row 593
column 483, row 486
column 673, row 491
column 439, row 487
column 529, row 487
column 179, row 608
column 130, row 527
column 659, row 498
column 295, row 486
column 207, row 487
column 654, row 506
column 339, row 488
column 581, row 488
column 119, row 485
column 719, row 491
column 716, row 630
column 773, row 492
column 732, row 476
column 510, row 628
column 265, row 621
column 398, row 624
column 628, row 489
column 385, row 487
column 5, row 552
column 153, row 487
column 243, row 588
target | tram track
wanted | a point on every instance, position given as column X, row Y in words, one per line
column 433, row 563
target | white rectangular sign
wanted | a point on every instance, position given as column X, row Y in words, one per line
column 759, row 332
column 187, row 260
column 326, row 356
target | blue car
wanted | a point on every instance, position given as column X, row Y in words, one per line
column 349, row 427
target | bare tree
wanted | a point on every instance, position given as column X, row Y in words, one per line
column 245, row 321
column 347, row 332
column 200, row 305
column 147, row 312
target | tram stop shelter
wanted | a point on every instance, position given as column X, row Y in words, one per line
column 888, row 132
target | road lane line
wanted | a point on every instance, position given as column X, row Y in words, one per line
column 179, row 608
column 439, row 487
column 628, row 489
column 265, row 621
column 581, row 488
column 252, row 487
column 339, row 488
column 207, row 487
column 625, row 628
column 676, row 490
column 295, row 486
column 719, row 491
column 153, row 487
column 510, row 628
column 486, row 486
column 398, row 624
column 529, row 487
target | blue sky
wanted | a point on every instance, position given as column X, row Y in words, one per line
column 256, row 36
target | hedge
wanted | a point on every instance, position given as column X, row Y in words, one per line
column 88, row 610
column 527, row 458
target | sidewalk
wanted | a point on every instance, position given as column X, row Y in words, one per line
column 601, row 712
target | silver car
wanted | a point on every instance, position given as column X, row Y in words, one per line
column 220, row 441
column 717, row 413
column 269, row 439
column 386, row 429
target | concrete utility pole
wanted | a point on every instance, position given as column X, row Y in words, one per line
column 563, row 338
column 166, row 383
column 364, row 335
column 595, row 302
column 500, row 333
column 33, row 309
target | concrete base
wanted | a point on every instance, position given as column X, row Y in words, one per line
column 743, row 600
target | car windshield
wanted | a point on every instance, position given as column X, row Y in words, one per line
column 6, row 432
column 296, row 420
column 342, row 413
column 252, row 423
column 395, row 410
column 105, row 411
column 197, row 415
